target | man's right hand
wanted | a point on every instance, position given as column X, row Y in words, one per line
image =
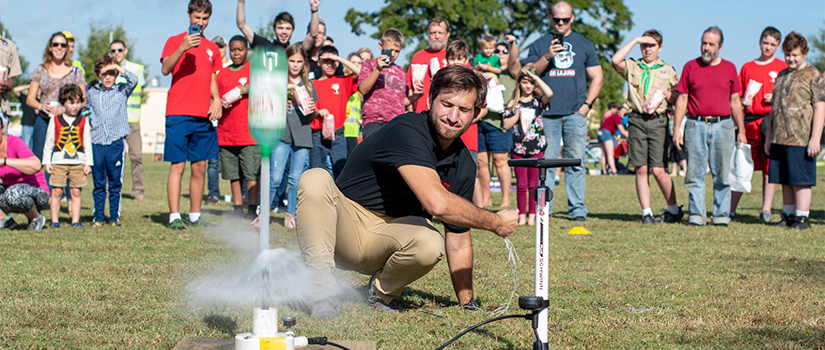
column 509, row 220
column 677, row 138
column 190, row 41
column 553, row 50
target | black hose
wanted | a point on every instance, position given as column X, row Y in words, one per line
column 324, row 341
column 337, row 345
column 479, row 325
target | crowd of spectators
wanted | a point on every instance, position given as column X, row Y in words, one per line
column 535, row 107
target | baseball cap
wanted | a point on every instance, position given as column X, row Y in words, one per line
column 220, row 41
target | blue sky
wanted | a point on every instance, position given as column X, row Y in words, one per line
column 151, row 22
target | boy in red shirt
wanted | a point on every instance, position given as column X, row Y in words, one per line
column 239, row 153
column 333, row 92
column 190, row 136
column 762, row 70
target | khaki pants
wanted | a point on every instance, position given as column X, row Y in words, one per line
column 334, row 231
column 135, row 144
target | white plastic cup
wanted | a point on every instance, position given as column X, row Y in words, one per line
column 434, row 66
column 53, row 104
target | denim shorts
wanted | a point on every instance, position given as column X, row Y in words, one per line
column 492, row 139
column 604, row 135
column 790, row 165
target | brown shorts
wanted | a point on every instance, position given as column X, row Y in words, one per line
column 646, row 141
column 74, row 173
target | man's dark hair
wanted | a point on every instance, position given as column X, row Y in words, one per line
column 795, row 41
column 117, row 41
column 653, row 33
column 200, row 6
column 283, row 17
column 70, row 92
column 717, row 30
column 612, row 105
column 102, row 62
column 327, row 49
column 239, row 38
column 458, row 78
column 330, row 39
column 771, row 32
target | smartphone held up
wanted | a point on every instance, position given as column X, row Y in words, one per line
column 194, row 29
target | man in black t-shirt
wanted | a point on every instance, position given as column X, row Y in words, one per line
column 284, row 26
column 376, row 218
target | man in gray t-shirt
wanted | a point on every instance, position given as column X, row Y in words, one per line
column 564, row 60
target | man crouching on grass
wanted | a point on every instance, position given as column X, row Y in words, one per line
column 375, row 219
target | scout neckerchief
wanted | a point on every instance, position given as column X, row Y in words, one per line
column 646, row 73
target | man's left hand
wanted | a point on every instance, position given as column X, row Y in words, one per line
column 509, row 220
column 215, row 110
column 584, row 110
column 741, row 138
column 813, row 148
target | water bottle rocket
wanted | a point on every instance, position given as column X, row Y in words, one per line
column 268, row 78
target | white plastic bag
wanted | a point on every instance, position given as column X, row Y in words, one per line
column 741, row 170
column 495, row 97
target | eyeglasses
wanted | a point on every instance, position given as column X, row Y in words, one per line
column 562, row 20
column 116, row 50
column 59, row 44
column 502, row 51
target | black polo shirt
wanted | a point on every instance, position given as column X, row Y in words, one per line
column 371, row 178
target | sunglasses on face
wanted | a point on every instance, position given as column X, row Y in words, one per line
column 562, row 20
column 115, row 50
column 502, row 51
column 59, row 45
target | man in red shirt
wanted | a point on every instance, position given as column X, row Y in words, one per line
column 190, row 136
column 709, row 97
column 438, row 34
column 240, row 154
column 764, row 71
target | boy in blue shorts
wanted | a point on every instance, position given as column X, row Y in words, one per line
column 192, row 103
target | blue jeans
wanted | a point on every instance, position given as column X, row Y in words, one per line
column 26, row 135
column 213, row 180
column 336, row 150
column 281, row 155
column 39, row 136
column 714, row 144
column 573, row 130
column 107, row 172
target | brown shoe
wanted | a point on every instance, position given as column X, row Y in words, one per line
column 210, row 200
column 140, row 197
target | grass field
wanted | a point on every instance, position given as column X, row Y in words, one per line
column 743, row 286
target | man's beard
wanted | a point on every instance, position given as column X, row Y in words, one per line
column 443, row 132
column 708, row 57
column 437, row 45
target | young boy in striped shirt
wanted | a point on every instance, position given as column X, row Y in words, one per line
column 109, row 123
